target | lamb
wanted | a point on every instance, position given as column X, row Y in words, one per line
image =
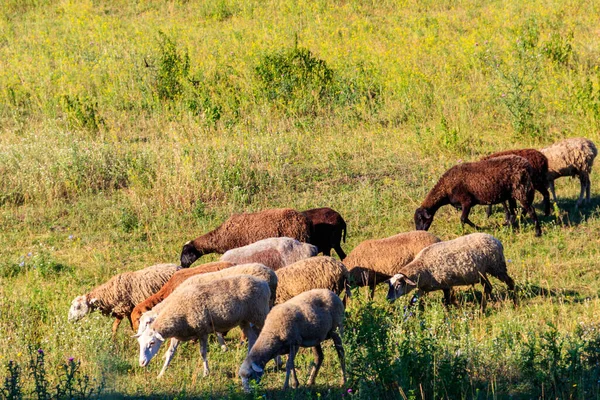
column 311, row 273
column 539, row 174
column 493, row 181
column 193, row 311
column 377, row 260
column 571, row 157
column 244, row 229
column 303, row 321
column 171, row 285
column 465, row 260
column 275, row 253
column 328, row 230
column 121, row 293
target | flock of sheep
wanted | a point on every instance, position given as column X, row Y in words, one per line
column 270, row 282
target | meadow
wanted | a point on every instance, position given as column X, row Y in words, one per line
column 130, row 127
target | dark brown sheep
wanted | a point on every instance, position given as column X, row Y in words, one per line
column 493, row 181
column 243, row 229
column 539, row 175
column 329, row 228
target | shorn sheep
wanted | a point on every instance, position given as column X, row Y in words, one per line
column 463, row 261
column 312, row 273
column 275, row 253
column 571, row 157
column 329, row 228
column 377, row 260
column 119, row 296
column 303, row 321
column 170, row 286
column 194, row 311
column 539, row 174
column 243, row 229
column 493, row 181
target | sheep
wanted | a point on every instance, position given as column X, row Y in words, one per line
column 303, row 321
column 195, row 310
column 377, row 260
column 243, row 229
column 275, row 253
column 311, row 273
column 168, row 288
column 539, row 175
column 328, row 230
column 121, row 293
column 463, row 261
column 571, row 157
column 490, row 181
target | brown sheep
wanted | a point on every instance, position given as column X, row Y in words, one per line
column 493, row 181
column 171, row 285
column 539, row 176
column 329, row 228
column 243, row 229
column 377, row 260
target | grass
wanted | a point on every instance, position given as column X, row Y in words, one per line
column 128, row 128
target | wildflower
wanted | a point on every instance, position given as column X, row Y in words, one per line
column 349, row 390
column 40, row 351
column 71, row 237
column 22, row 264
column 71, row 359
column 29, row 254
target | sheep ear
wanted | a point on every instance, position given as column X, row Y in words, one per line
column 256, row 368
column 94, row 300
column 159, row 337
column 426, row 213
column 408, row 281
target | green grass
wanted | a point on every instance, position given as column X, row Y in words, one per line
column 127, row 128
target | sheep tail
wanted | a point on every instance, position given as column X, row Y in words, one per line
column 348, row 293
column 344, row 232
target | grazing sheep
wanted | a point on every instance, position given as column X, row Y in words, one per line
column 195, row 310
column 539, row 174
column 311, row 273
column 463, row 261
column 275, row 253
column 171, row 284
column 377, row 260
column 493, row 181
column 244, row 229
column 571, row 157
column 121, row 293
column 328, row 230
column 304, row 321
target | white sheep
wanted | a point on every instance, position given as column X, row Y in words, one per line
column 275, row 252
column 303, row 321
column 463, row 261
column 118, row 296
column 571, row 157
column 195, row 310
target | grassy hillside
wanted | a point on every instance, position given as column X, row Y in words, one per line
column 128, row 128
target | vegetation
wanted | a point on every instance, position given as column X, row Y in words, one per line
column 128, row 128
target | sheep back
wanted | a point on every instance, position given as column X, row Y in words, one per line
column 570, row 157
column 537, row 160
column 311, row 273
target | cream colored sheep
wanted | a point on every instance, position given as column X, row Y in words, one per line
column 275, row 253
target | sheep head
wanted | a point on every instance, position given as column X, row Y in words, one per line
column 423, row 219
column 250, row 371
column 150, row 341
column 189, row 254
column 145, row 320
column 80, row 307
column 399, row 285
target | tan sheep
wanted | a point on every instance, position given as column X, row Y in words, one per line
column 377, row 260
column 119, row 296
column 312, row 273
column 244, row 229
column 463, row 261
column 303, row 321
column 193, row 311
column 571, row 157
column 275, row 253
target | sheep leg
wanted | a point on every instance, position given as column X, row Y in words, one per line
column 588, row 188
column 116, row 325
column 546, row 200
column 326, row 251
column 531, row 211
column 289, row 367
column 464, row 218
column 203, row 351
column 449, row 298
column 169, row 355
column 339, row 348
column 488, row 211
column 510, row 283
column 318, row 352
column 582, row 183
column 487, row 290
column 250, row 334
column 221, row 341
column 551, row 187
column 339, row 251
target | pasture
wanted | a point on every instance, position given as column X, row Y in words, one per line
column 130, row 127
